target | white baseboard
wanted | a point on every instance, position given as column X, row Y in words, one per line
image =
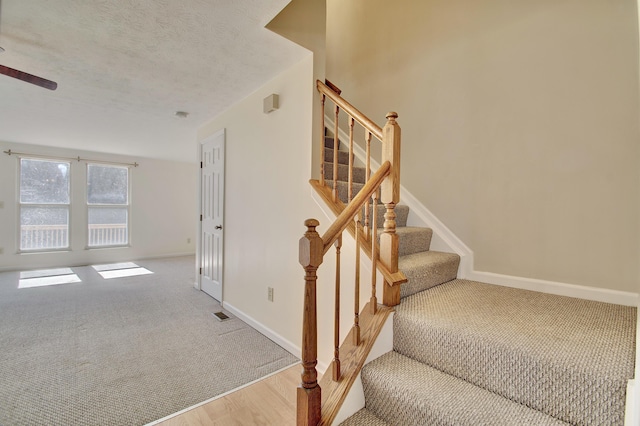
column 558, row 288
column 266, row 331
column 632, row 413
column 443, row 238
column 164, row 256
column 632, row 410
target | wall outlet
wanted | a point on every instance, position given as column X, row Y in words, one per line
column 188, row 240
column 270, row 294
column 1, row 204
column 1, row 250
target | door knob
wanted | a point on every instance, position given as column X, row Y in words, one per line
column 218, row 226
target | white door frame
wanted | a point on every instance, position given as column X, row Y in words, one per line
column 198, row 281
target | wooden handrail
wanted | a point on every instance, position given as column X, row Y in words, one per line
column 347, row 215
column 332, row 86
column 350, row 109
column 395, row 278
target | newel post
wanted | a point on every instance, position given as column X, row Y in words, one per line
column 308, row 397
column 390, row 196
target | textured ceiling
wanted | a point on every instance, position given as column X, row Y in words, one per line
column 124, row 67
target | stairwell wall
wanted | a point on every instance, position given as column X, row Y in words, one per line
column 520, row 124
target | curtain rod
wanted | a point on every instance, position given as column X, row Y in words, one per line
column 53, row 157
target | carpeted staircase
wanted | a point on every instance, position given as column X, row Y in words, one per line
column 469, row 353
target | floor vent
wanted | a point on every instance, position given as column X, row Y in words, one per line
column 220, row 316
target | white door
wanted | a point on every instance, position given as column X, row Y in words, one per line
column 212, row 205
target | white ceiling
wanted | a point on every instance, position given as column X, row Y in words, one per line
column 124, row 67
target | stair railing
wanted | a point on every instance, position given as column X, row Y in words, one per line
column 383, row 184
column 389, row 195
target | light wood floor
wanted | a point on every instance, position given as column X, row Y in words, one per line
column 271, row 401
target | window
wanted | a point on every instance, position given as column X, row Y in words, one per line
column 44, row 204
column 108, row 205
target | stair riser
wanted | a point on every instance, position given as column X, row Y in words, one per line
column 401, row 210
column 343, row 157
column 328, row 142
column 411, row 240
column 401, row 391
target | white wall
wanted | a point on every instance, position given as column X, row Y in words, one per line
column 267, row 199
column 163, row 210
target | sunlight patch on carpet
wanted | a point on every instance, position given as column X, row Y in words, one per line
column 114, row 266
column 45, row 273
column 42, row 281
column 120, row 270
column 120, row 273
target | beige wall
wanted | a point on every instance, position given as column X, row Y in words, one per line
column 519, row 120
column 162, row 215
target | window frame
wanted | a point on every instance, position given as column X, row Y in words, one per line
column 67, row 205
column 98, row 206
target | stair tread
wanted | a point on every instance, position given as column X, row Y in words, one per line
column 427, row 269
column 403, row 391
column 570, row 358
column 364, row 417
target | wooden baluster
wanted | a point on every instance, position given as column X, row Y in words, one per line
column 335, row 154
column 336, row 318
column 374, row 253
column 390, row 196
column 309, row 393
column 367, row 175
column 322, row 144
column 351, row 122
column 356, row 307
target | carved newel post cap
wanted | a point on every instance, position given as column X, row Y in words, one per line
column 311, row 223
column 392, row 115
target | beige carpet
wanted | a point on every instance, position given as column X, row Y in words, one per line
column 569, row 358
column 468, row 353
column 124, row 351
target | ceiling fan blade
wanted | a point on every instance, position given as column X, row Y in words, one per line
column 29, row 78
